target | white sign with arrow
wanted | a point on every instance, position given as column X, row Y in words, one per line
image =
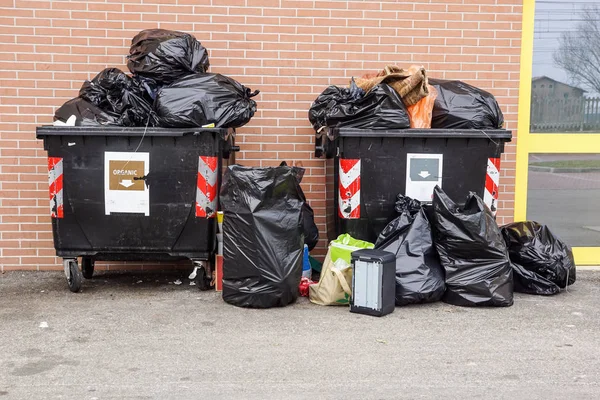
column 423, row 173
column 125, row 189
column 126, row 183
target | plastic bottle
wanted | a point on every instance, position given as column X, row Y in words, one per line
column 306, row 269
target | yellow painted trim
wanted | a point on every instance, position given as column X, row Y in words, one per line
column 543, row 143
column 563, row 143
column 524, row 110
column 586, row 255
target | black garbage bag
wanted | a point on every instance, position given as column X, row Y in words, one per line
column 263, row 240
column 105, row 89
column 380, row 108
column 311, row 232
column 531, row 283
column 472, row 251
column 166, row 56
column 86, row 113
column 122, row 97
column 419, row 274
column 150, row 86
column 333, row 95
column 405, row 203
column 459, row 105
column 203, row 99
column 310, row 229
column 534, row 247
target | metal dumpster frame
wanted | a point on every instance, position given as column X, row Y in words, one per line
column 173, row 229
column 383, row 164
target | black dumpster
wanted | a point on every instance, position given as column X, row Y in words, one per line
column 366, row 169
column 143, row 194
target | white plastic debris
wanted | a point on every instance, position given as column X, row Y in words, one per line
column 178, row 282
column 43, row 324
column 70, row 122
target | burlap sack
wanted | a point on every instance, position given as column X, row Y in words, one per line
column 411, row 84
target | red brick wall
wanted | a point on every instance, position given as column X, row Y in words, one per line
column 290, row 50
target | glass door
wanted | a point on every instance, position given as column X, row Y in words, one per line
column 558, row 142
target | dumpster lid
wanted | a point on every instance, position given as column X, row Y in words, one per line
column 501, row 134
column 50, row 130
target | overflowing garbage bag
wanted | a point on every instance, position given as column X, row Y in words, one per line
column 410, row 84
column 166, row 56
column 170, row 75
column 472, row 251
column 459, row 105
column 205, row 99
column 121, row 96
column 263, row 240
column 86, row 113
column 380, row 108
column 330, row 98
column 419, row 274
column 421, row 113
column 543, row 263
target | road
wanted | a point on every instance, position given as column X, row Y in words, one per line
column 137, row 336
column 567, row 203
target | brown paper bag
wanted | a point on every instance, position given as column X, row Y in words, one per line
column 334, row 287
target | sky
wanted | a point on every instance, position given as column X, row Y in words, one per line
column 552, row 17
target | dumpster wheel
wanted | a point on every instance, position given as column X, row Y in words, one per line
column 87, row 267
column 202, row 281
column 74, row 276
column 201, row 275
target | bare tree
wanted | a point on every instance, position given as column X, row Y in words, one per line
column 579, row 51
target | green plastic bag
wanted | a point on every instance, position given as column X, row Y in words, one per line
column 344, row 245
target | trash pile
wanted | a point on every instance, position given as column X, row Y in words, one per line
column 170, row 86
column 433, row 250
column 442, row 251
column 456, row 254
column 395, row 98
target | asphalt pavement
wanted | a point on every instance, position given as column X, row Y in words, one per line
column 140, row 336
column 566, row 202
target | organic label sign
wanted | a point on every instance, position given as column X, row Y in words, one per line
column 126, row 175
column 125, row 190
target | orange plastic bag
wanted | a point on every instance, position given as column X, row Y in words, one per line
column 420, row 113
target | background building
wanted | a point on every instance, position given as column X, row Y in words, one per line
column 290, row 50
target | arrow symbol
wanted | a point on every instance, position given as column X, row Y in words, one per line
column 126, row 182
column 424, row 174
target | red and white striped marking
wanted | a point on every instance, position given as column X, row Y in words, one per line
column 492, row 180
column 349, row 188
column 55, row 183
column 206, row 192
